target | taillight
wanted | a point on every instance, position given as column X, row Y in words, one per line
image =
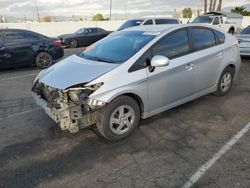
column 57, row 42
column 237, row 43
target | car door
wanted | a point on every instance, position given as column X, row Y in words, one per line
column 148, row 22
column 18, row 47
column 93, row 35
column 170, row 84
column 208, row 57
column 4, row 61
column 216, row 22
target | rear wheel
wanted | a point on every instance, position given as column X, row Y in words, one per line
column 119, row 118
column 231, row 31
column 73, row 43
column 225, row 82
column 43, row 60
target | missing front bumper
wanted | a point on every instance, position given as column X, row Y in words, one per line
column 69, row 118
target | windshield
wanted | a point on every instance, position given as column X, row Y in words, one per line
column 203, row 19
column 79, row 31
column 130, row 23
column 245, row 31
column 119, row 47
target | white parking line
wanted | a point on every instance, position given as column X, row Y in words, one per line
column 203, row 169
column 17, row 77
column 20, row 113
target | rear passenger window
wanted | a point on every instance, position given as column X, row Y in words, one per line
column 148, row 22
column 202, row 38
column 15, row 36
column 173, row 45
column 220, row 36
column 10, row 37
column 33, row 36
column 165, row 21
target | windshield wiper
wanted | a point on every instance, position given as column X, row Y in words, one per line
column 99, row 59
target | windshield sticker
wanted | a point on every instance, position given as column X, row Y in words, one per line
column 152, row 33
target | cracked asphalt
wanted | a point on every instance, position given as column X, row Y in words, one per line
column 165, row 151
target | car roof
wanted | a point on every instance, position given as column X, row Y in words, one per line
column 158, row 17
column 164, row 27
column 7, row 29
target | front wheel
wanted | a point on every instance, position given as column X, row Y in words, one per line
column 43, row 60
column 73, row 43
column 119, row 118
column 231, row 31
column 225, row 82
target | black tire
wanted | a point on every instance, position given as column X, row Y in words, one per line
column 43, row 60
column 231, row 31
column 224, row 86
column 73, row 43
column 110, row 130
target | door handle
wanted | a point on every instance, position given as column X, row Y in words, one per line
column 189, row 67
column 219, row 55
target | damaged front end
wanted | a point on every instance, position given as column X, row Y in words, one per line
column 71, row 108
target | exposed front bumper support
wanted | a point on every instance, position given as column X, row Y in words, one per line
column 69, row 118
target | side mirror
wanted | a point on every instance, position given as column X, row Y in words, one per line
column 159, row 61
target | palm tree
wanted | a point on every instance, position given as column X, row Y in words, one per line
column 205, row 6
column 219, row 5
column 241, row 10
column 210, row 5
column 214, row 5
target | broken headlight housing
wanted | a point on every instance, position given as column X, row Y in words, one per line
column 80, row 94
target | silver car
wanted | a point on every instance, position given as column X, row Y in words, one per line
column 244, row 41
column 137, row 73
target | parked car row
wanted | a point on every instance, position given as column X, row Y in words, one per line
column 25, row 48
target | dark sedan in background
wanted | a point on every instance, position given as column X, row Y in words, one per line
column 25, row 48
column 244, row 40
column 83, row 37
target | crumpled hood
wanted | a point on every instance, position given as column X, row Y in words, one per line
column 72, row 71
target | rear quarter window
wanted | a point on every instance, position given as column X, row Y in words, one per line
column 220, row 36
column 202, row 38
column 33, row 36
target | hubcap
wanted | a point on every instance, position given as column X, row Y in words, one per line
column 73, row 43
column 226, row 82
column 122, row 119
column 44, row 59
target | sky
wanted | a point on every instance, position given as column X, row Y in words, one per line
column 21, row 8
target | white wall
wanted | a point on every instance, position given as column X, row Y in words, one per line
column 54, row 29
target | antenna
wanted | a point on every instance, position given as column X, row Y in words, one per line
column 110, row 10
column 38, row 17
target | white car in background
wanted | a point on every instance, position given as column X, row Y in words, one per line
column 226, row 21
column 244, row 41
column 149, row 20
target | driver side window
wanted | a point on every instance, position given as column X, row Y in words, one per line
column 216, row 21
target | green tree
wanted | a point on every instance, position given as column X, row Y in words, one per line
column 187, row 13
column 99, row 17
column 241, row 10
